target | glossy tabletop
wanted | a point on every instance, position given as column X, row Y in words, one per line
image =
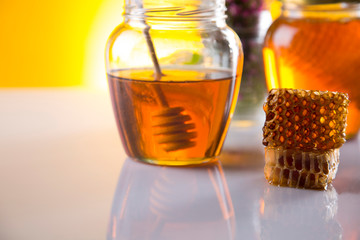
column 64, row 175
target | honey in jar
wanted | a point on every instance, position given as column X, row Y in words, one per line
column 204, row 96
column 316, row 47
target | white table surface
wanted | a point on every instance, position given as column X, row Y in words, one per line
column 65, row 176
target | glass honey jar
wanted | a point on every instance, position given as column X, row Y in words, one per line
column 174, row 70
column 315, row 45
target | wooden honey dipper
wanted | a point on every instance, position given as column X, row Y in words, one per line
column 172, row 128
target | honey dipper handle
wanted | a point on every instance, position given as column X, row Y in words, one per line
column 152, row 52
column 154, row 59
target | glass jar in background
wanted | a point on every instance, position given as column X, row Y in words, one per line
column 174, row 71
column 250, row 19
column 315, row 45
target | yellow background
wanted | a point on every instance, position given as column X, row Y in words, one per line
column 55, row 43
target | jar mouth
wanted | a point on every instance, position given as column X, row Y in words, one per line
column 175, row 13
column 325, row 7
column 330, row 11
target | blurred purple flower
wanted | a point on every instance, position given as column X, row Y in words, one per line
column 243, row 14
column 246, row 13
column 234, row 9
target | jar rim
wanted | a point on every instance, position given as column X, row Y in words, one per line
column 175, row 13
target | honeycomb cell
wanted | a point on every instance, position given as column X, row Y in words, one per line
column 322, row 120
column 316, row 119
column 332, row 124
column 289, row 133
column 322, row 110
column 279, row 109
column 288, row 113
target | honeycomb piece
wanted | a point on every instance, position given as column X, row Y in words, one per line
column 305, row 119
column 300, row 169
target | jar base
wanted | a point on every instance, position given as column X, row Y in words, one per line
column 192, row 162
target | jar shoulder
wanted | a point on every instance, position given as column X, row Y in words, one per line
column 216, row 47
column 223, row 37
column 285, row 30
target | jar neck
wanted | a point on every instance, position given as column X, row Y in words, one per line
column 175, row 12
column 327, row 10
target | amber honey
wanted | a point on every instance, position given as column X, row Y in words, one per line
column 207, row 97
column 316, row 54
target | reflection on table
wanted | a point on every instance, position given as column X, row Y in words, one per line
column 153, row 202
column 295, row 213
